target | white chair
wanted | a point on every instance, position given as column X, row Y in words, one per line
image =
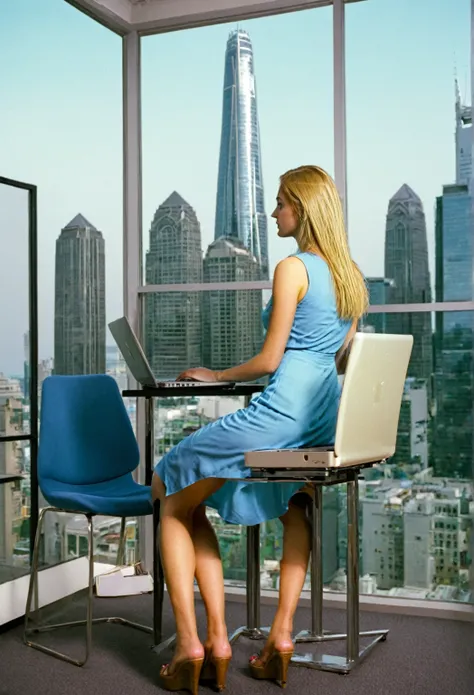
column 366, row 435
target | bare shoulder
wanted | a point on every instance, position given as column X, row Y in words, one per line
column 291, row 267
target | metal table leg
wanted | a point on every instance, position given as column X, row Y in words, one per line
column 316, row 633
column 252, row 630
column 158, row 577
column 354, row 655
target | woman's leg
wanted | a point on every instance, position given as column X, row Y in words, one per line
column 179, row 558
column 210, row 579
column 293, row 568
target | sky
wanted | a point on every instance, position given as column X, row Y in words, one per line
column 61, row 126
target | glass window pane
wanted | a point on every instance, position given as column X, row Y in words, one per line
column 14, row 311
column 238, row 113
column 14, row 383
column 406, row 503
column 407, row 174
column 61, row 129
column 14, row 511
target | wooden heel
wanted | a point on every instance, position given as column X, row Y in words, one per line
column 282, row 660
column 275, row 668
column 215, row 670
column 185, row 677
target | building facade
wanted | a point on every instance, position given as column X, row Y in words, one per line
column 240, row 206
column 406, row 262
column 232, row 319
column 173, row 319
column 453, row 451
column 463, row 137
column 79, row 311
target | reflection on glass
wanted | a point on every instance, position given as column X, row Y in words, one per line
column 14, row 383
column 79, row 215
column 14, row 507
column 14, row 317
column 66, row 538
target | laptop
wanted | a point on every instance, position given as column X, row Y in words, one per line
column 369, row 409
column 136, row 361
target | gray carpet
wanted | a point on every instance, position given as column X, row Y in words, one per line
column 420, row 657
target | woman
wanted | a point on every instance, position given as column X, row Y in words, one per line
column 318, row 296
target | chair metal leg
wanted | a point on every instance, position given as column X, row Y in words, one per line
column 354, row 655
column 121, row 547
column 89, row 621
column 252, row 630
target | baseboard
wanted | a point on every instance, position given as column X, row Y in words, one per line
column 372, row 603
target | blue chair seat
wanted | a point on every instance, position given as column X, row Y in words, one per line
column 117, row 497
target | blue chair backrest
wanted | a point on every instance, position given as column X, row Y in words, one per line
column 86, row 435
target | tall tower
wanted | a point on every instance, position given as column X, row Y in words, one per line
column 232, row 319
column 79, row 312
column 240, row 207
column 463, row 141
column 454, row 334
column 406, row 263
column 173, row 319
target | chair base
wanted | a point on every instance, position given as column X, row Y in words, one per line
column 325, row 662
column 89, row 621
column 354, row 654
column 77, row 623
column 330, row 662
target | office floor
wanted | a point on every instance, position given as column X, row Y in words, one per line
column 420, row 657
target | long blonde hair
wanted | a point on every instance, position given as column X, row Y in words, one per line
column 315, row 201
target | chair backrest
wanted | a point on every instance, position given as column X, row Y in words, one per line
column 371, row 397
column 85, row 435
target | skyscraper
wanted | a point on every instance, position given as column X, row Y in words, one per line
column 406, row 262
column 240, row 207
column 463, row 141
column 232, row 319
column 454, row 334
column 173, row 319
column 79, row 313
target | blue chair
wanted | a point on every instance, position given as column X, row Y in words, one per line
column 87, row 452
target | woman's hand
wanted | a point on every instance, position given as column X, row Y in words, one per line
column 198, row 374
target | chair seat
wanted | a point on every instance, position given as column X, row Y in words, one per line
column 118, row 497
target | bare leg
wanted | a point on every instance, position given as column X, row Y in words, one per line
column 179, row 559
column 210, row 579
column 293, row 568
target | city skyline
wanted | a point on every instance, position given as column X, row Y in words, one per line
column 415, row 521
column 82, row 148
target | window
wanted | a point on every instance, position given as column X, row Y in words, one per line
column 402, row 159
column 60, row 129
column 190, row 216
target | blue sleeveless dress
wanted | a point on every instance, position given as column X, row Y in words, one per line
column 297, row 409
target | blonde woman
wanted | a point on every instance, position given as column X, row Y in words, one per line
column 318, row 296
